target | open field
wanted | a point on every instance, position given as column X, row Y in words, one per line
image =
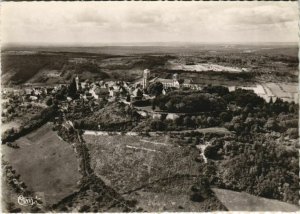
column 129, row 162
column 200, row 67
column 46, row 163
column 154, row 171
column 241, row 201
column 285, row 91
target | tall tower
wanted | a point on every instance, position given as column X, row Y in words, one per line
column 77, row 82
column 146, row 76
column 175, row 79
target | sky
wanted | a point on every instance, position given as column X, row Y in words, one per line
column 134, row 22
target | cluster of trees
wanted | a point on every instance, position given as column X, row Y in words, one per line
column 94, row 125
column 249, row 113
column 152, row 62
column 112, row 117
column 72, row 89
column 265, row 118
column 155, row 89
column 13, row 180
column 37, row 121
column 188, row 102
column 23, row 67
column 241, row 111
column 253, row 160
column 242, row 97
column 73, row 136
column 185, row 122
column 95, row 196
column 246, row 59
column 61, row 95
column 89, row 67
column 201, row 190
column 15, row 108
column 262, row 168
column 141, row 103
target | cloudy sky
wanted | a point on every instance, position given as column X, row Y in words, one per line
column 128, row 22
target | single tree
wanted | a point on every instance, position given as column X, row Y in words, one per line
column 72, row 89
column 156, row 88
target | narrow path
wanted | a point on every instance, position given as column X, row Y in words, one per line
column 220, row 130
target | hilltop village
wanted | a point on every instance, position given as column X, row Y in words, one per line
column 163, row 100
column 141, row 108
column 214, row 131
column 94, row 93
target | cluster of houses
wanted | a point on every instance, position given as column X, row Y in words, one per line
column 168, row 83
column 108, row 90
column 120, row 90
column 32, row 93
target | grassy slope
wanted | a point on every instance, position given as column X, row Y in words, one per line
column 128, row 162
column 46, row 163
column 241, row 201
column 152, row 170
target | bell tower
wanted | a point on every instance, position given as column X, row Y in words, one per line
column 175, row 79
column 146, row 76
column 77, row 82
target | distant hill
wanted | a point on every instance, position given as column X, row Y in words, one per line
column 61, row 65
column 49, row 67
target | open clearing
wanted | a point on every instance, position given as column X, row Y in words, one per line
column 241, row 201
column 154, row 171
column 46, row 163
column 129, row 162
column 286, row 91
column 203, row 67
column 12, row 124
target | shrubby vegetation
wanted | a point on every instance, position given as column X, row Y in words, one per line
column 256, row 160
column 155, row 89
column 23, row 67
column 150, row 62
column 112, row 117
column 261, row 167
column 35, row 122
column 240, row 111
column 188, row 102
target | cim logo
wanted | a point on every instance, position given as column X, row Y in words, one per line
column 28, row 201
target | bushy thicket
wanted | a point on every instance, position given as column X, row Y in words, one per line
column 112, row 117
column 262, row 168
column 187, row 102
column 36, row 122
column 23, row 67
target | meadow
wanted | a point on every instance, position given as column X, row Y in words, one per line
column 130, row 162
column 45, row 163
column 241, row 201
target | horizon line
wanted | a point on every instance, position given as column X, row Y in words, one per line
column 110, row 44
